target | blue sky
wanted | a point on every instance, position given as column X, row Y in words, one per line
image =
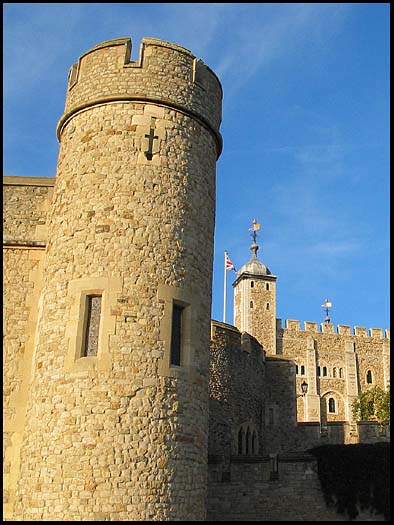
column 305, row 130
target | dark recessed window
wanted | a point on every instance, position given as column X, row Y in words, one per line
column 267, row 286
column 176, row 334
column 252, row 284
column 331, row 405
column 369, row 377
column 92, row 325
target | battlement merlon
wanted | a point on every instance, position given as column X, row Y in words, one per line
column 165, row 74
column 328, row 328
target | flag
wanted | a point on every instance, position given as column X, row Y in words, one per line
column 229, row 264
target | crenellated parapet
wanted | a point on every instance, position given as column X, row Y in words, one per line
column 294, row 325
column 164, row 74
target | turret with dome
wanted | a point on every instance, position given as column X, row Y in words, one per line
column 255, row 298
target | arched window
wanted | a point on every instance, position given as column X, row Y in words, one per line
column 331, row 405
column 251, row 304
column 324, row 370
column 340, row 372
column 334, row 372
column 240, row 440
column 248, row 441
column 297, row 370
column 252, row 284
column 302, row 370
column 254, row 443
column 369, row 377
column 318, row 371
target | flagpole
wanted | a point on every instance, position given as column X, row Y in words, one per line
column 225, row 287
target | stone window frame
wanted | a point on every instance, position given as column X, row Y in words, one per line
column 88, row 300
column 369, row 375
column 247, row 439
column 339, row 398
column 271, row 416
column 168, row 296
column 78, row 290
column 329, row 404
column 337, row 372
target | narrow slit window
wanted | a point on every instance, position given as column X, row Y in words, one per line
column 267, row 306
column 176, row 334
column 267, row 286
column 252, row 284
column 92, row 325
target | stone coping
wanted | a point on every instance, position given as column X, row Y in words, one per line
column 15, row 180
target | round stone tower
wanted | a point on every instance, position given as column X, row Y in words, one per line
column 117, row 422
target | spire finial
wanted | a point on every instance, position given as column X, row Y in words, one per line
column 254, row 247
column 327, row 305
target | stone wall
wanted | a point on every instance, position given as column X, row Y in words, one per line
column 236, row 388
column 26, row 201
column 25, row 204
column 22, row 269
column 261, row 490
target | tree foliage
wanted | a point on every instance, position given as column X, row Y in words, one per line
column 355, row 477
column 373, row 404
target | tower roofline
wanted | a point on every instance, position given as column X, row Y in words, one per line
column 247, row 275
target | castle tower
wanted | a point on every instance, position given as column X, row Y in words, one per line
column 255, row 299
column 117, row 422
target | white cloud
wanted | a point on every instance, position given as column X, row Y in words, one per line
column 269, row 32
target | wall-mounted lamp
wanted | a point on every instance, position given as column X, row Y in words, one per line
column 304, row 389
